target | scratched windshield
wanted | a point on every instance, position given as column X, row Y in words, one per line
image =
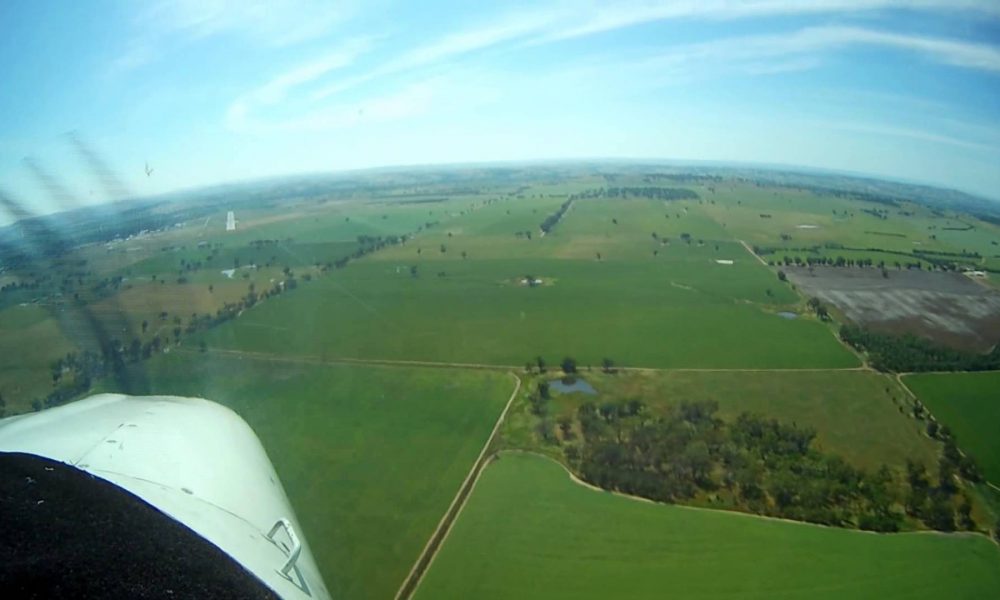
column 520, row 300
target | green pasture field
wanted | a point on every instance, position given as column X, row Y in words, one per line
column 30, row 340
column 168, row 265
column 861, row 416
column 739, row 209
column 307, row 233
column 370, row 457
column 686, row 313
column 528, row 531
column 678, row 308
column 485, row 232
column 640, row 217
column 33, row 336
column 342, row 221
column 121, row 315
column 968, row 403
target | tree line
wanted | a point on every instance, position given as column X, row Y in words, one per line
column 910, row 353
column 945, row 261
column 551, row 220
column 74, row 374
column 753, row 464
column 653, row 193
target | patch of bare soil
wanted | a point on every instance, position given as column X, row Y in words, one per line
column 946, row 307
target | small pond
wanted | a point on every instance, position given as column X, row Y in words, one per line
column 788, row 315
column 572, row 384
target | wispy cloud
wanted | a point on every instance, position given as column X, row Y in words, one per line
column 167, row 25
column 958, row 53
column 804, row 48
column 315, row 87
column 921, row 135
column 591, row 19
column 248, row 113
column 272, row 23
column 449, row 46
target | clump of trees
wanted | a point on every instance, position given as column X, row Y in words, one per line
column 755, row 464
column 908, row 353
column 819, row 308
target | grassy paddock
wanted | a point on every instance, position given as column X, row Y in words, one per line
column 30, row 340
column 530, row 532
column 684, row 314
column 968, row 403
column 856, row 414
column 370, row 456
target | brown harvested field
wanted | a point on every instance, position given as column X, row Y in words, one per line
column 121, row 315
column 947, row 307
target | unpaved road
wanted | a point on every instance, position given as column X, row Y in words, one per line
column 440, row 534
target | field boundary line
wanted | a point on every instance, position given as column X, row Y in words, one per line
column 754, row 254
column 389, row 362
column 440, row 534
column 575, row 479
column 906, row 388
column 914, row 397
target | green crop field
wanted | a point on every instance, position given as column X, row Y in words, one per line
column 968, row 403
column 856, row 414
column 530, row 532
column 369, row 329
column 29, row 341
column 684, row 313
column 761, row 215
column 370, row 456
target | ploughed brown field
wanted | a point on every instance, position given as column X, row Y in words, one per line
column 948, row 307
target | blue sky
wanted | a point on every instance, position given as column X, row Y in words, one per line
column 210, row 92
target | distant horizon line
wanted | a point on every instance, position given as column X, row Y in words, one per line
column 720, row 163
column 532, row 162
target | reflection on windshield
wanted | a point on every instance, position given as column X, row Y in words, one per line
column 452, row 308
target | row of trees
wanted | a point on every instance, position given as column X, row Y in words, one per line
column 568, row 365
column 945, row 261
column 909, row 353
column 73, row 374
column 551, row 220
column 651, row 192
column 755, row 464
column 840, row 261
